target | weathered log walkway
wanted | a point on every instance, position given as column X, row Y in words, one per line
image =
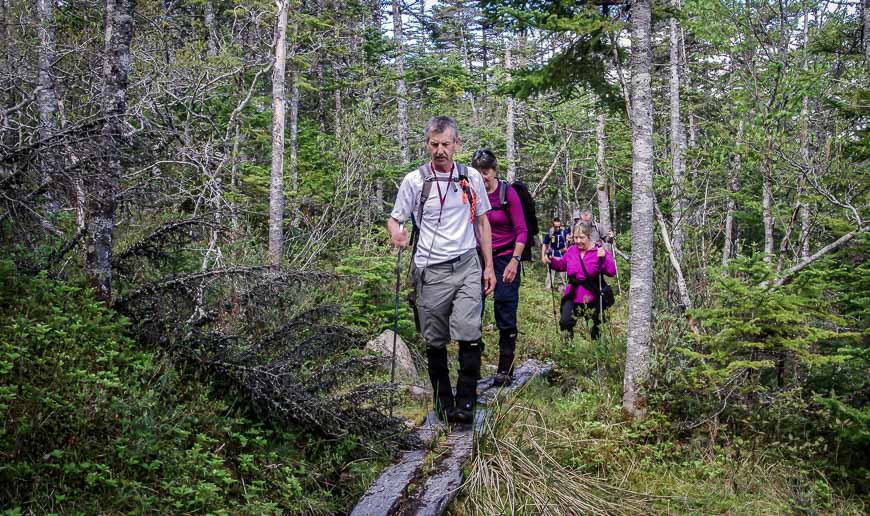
column 407, row 488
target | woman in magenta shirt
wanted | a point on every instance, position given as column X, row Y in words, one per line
column 509, row 234
column 583, row 262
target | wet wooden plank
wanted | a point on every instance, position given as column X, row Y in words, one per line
column 443, row 484
column 384, row 495
column 390, row 493
column 522, row 375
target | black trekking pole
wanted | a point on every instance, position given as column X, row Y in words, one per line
column 396, row 321
column 552, row 292
column 601, row 294
column 600, row 297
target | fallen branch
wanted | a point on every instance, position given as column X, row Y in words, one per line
column 681, row 280
column 833, row 246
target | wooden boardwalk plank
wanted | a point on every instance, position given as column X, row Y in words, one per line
column 390, row 493
column 383, row 496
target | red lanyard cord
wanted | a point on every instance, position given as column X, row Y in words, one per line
column 443, row 198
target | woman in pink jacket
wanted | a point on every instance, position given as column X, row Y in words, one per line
column 583, row 262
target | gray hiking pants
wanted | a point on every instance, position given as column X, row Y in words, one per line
column 449, row 299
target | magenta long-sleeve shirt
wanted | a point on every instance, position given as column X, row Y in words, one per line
column 503, row 233
column 570, row 263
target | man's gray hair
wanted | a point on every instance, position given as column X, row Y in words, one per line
column 582, row 227
column 439, row 124
column 586, row 212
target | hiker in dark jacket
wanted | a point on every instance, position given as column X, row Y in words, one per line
column 554, row 245
column 447, row 278
column 583, row 262
column 509, row 235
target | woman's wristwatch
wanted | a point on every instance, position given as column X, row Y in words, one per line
column 517, row 258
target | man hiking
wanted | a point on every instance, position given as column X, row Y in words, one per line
column 554, row 245
column 446, row 269
column 598, row 236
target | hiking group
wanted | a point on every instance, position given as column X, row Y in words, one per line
column 468, row 242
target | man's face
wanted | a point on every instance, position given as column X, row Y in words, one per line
column 442, row 147
column 586, row 217
column 557, row 225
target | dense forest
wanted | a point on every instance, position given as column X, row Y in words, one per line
column 193, row 254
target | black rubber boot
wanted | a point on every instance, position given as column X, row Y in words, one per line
column 507, row 344
column 439, row 375
column 466, row 385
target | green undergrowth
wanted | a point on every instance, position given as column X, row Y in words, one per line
column 91, row 422
column 563, row 441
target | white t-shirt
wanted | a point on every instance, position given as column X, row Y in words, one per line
column 455, row 234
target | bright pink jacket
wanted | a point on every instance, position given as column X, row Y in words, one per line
column 570, row 263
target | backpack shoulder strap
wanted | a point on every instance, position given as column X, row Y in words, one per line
column 504, row 203
column 502, row 193
column 427, row 175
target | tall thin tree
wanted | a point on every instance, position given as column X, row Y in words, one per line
column 733, row 187
column 102, row 198
column 678, row 141
column 509, row 131
column 46, row 99
column 866, row 11
column 642, row 215
column 211, row 27
column 601, row 176
column 401, row 90
column 276, row 188
column 806, row 221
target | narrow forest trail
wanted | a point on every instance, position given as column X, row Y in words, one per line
column 425, row 482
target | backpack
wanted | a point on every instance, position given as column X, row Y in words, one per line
column 557, row 238
column 429, row 177
column 529, row 215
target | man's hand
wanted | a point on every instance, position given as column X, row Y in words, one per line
column 510, row 272
column 545, row 259
column 400, row 238
column 398, row 235
column 488, row 280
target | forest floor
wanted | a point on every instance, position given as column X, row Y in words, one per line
column 561, row 445
column 133, row 431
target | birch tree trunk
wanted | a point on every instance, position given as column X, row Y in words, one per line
column 767, row 202
column 208, row 15
column 642, row 215
column 804, row 241
column 509, row 131
column 678, row 142
column 294, row 135
column 734, row 187
column 102, row 198
column 46, row 99
column 336, row 94
column 318, row 68
column 401, row 90
column 276, row 189
column 601, row 178
column 866, row 9
column 294, row 130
